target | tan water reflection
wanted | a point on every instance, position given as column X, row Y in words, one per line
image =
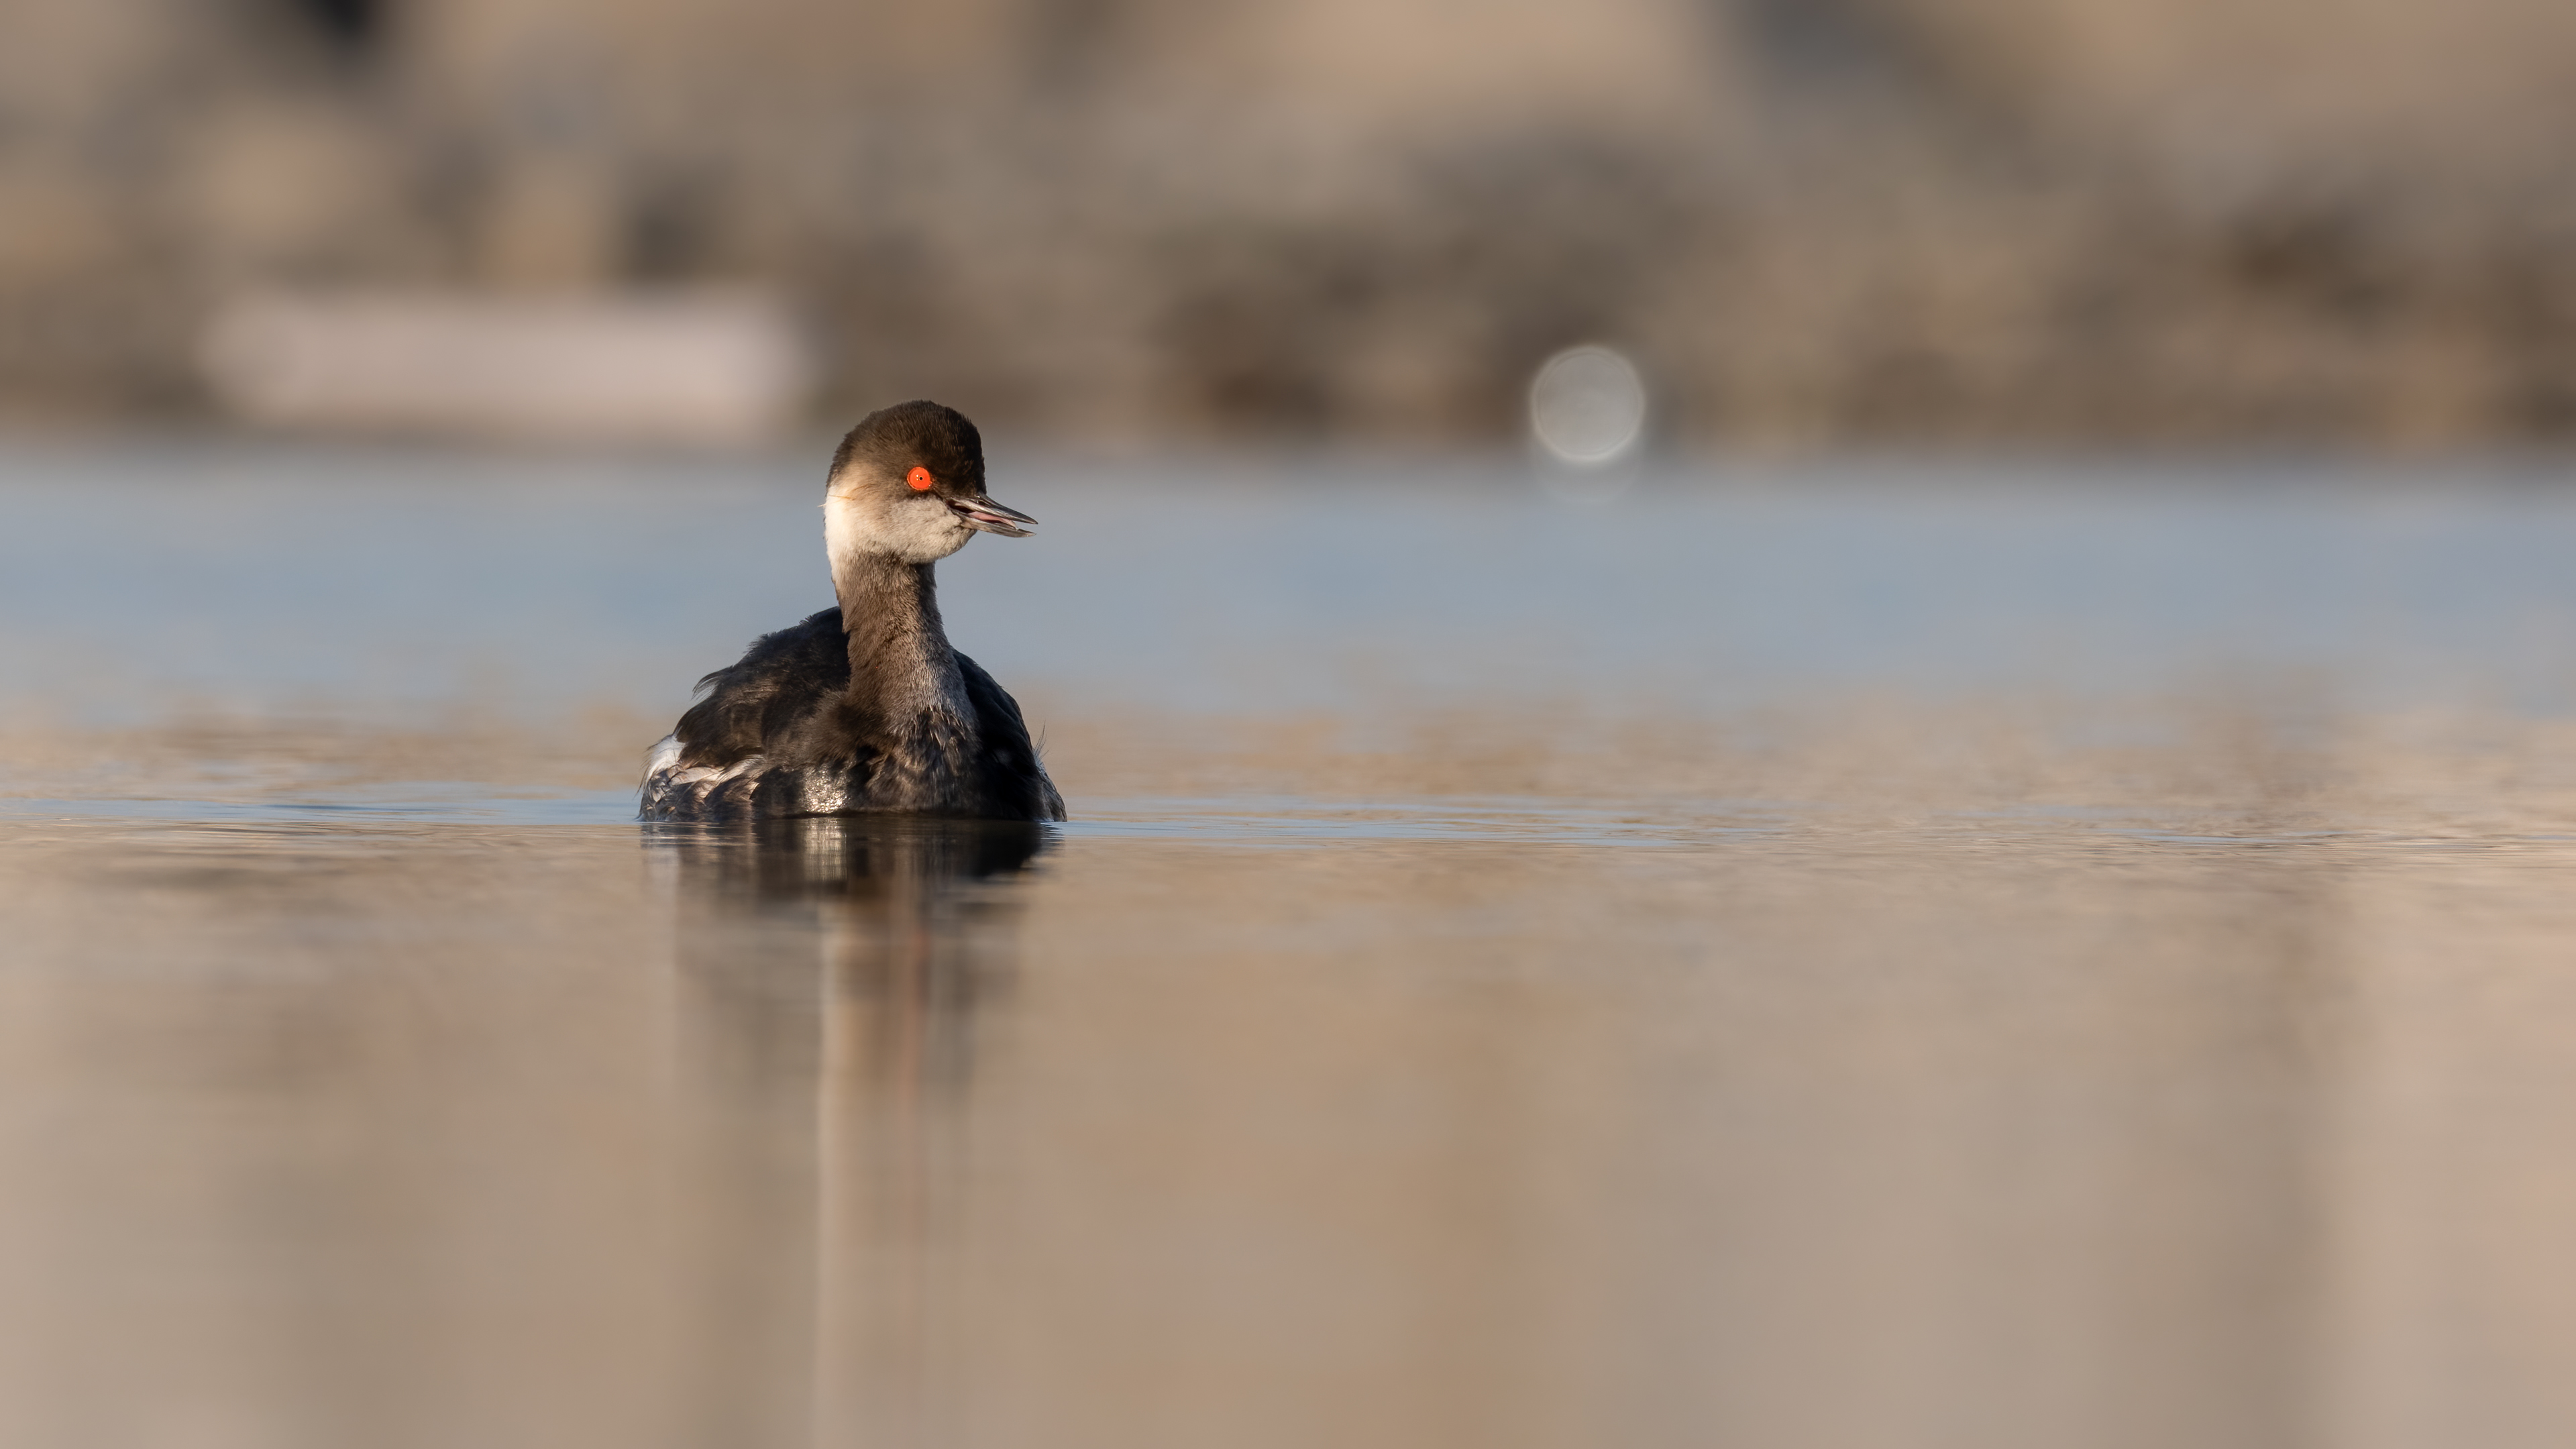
column 1894, row 1088
column 868, row 1042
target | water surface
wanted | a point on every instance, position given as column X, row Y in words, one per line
column 1820, row 957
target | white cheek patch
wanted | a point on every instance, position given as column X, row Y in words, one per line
column 918, row 529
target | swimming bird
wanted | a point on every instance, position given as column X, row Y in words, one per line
column 864, row 708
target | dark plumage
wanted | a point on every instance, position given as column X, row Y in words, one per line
column 865, row 708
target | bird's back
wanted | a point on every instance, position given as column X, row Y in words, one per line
column 774, row 736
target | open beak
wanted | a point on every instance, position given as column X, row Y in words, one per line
column 986, row 516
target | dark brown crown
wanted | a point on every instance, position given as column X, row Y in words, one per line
column 893, row 441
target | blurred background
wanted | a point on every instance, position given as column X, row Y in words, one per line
column 1967, row 846
column 1809, row 221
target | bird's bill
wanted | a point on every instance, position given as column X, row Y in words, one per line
column 986, row 516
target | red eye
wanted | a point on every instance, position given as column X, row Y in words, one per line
column 919, row 478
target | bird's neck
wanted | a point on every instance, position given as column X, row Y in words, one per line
column 902, row 672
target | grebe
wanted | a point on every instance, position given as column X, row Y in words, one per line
column 864, row 708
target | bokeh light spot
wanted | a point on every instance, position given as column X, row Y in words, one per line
column 1588, row 406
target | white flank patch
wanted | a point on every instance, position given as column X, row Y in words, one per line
column 708, row 775
column 666, row 753
column 663, row 770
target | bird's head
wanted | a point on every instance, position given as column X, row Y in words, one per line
column 908, row 484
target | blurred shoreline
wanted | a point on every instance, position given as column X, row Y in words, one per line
column 1813, row 224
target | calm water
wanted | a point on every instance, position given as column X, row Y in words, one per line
column 1800, row 957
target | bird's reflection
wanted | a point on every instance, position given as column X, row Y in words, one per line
column 834, row 973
